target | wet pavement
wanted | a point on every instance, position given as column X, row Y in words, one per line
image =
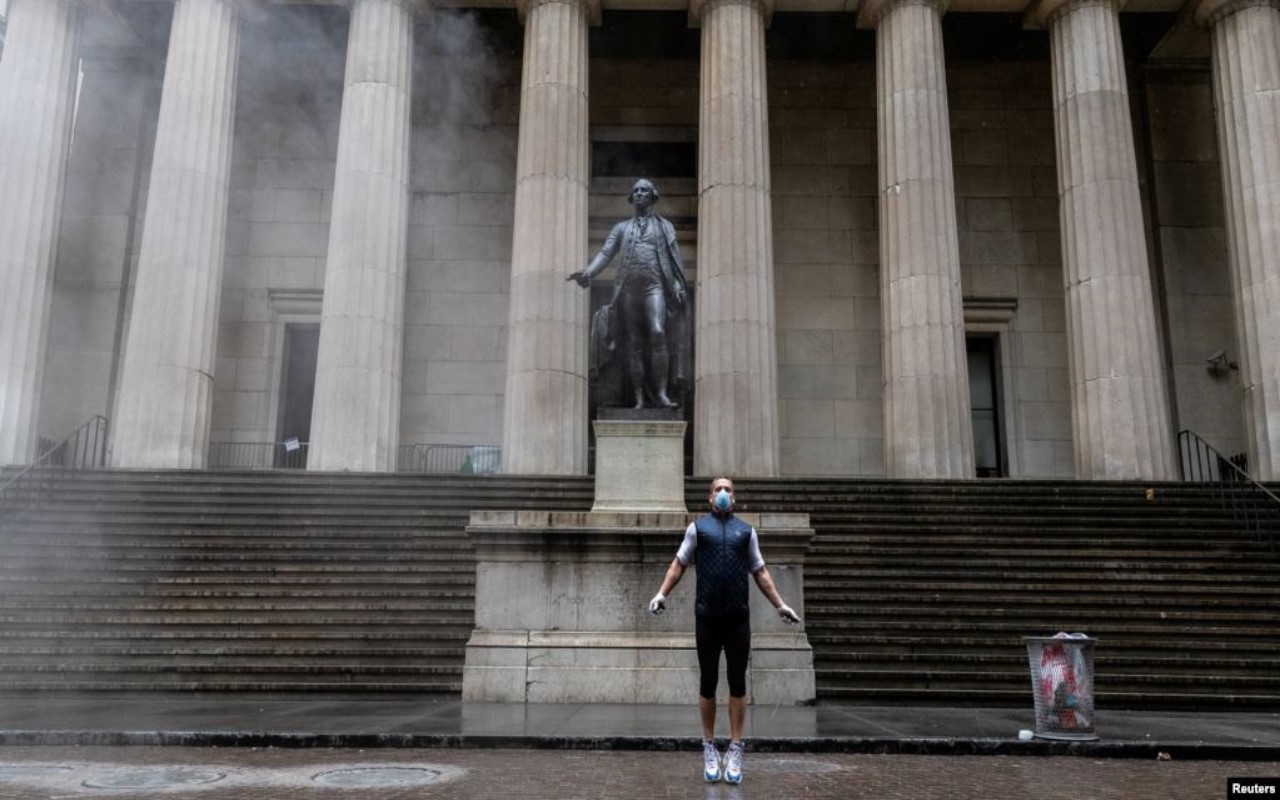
column 152, row 773
column 226, row 720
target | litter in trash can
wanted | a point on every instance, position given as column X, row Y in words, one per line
column 1062, row 682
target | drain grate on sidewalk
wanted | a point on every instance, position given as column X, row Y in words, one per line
column 154, row 778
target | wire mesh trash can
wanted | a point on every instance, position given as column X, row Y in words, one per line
column 1062, row 682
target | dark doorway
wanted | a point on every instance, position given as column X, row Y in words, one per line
column 984, row 402
column 297, row 391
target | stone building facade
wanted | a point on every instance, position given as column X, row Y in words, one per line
column 925, row 241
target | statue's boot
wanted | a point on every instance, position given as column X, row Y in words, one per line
column 661, row 366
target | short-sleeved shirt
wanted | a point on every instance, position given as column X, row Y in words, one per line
column 690, row 545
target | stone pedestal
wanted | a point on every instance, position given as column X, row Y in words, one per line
column 561, row 611
column 639, row 466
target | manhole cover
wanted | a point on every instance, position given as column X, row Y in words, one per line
column 375, row 777
column 155, row 778
column 32, row 770
column 790, row 765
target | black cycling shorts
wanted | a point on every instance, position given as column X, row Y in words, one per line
column 733, row 636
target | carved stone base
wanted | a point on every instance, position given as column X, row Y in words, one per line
column 561, row 611
column 639, row 466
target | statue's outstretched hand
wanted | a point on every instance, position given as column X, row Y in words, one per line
column 580, row 277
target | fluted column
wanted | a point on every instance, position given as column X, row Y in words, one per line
column 1246, row 72
column 1120, row 411
column 544, row 428
column 37, row 82
column 355, row 420
column 735, row 409
column 166, row 383
column 928, row 427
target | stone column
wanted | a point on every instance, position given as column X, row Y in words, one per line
column 928, row 427
column 37, row 87
column 1120, row 411
column 544, row 427
column 735, row 413
column 1246, row 71
column 166, row 384
column 355, row 421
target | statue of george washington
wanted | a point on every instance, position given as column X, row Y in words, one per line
column 648, row 314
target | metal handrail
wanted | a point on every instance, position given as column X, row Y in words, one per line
column 1255, row 507
column 84, row 448
column 422, row 458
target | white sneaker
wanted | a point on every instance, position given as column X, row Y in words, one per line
column 710, row 761
column 733, row 763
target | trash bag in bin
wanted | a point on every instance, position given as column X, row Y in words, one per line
column 1062, row 681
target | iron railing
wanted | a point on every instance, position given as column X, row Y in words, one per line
column 466, row 459
column 85, row 448
column 289, row 454
column 1254, row 507
column 435, row 458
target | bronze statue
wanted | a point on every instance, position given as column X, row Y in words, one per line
column 647, row 315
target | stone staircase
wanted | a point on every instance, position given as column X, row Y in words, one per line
column 917, row 592
column 248, row 581
column 920, row 592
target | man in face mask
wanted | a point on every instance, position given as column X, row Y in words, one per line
column 725, row 550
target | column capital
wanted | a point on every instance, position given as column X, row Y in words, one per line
column 1046, row 12
column 699, row 8
column 870, row 12
column 592, row 8
column 1210, row 12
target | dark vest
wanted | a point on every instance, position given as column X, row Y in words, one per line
column 722, row 559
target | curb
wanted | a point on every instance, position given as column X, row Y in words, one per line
column 1176, row 751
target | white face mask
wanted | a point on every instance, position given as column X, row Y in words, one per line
column 724, row 500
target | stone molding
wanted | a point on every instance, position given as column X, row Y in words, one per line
column 1045, row 13
column 1210, row 12
column 698, row 9
column 871, row 12
column 591, row 7
column 613, row 537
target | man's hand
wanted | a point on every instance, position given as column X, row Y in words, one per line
column 658, row 604
column 581, row 277
column 677, row 296
column 787, row 614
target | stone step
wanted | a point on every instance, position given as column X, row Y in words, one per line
column 1040, row 577
column 1015, row 661
column 1011, row 697
column 210, row 635
column 965, row 642
column 1208, row 682
column 1081, row 615
column 301, row 685
column 459, row 614
column 1108, row 629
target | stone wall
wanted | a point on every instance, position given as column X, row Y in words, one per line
column 1191, row 245
column 823, row 127
column 289, row 101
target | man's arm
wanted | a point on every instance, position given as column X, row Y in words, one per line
column 765, row 581
column 674, row 573
column 612, row 243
